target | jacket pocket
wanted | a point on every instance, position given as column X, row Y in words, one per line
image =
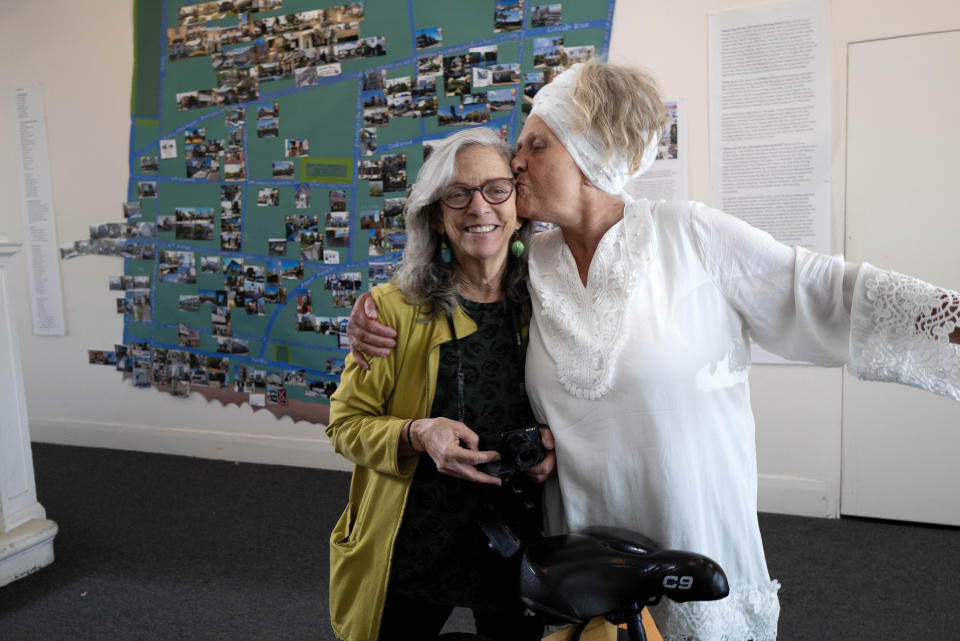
column 343, row 530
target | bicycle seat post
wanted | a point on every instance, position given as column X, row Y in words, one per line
column 635, row 631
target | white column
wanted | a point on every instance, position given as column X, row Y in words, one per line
column 26, row 536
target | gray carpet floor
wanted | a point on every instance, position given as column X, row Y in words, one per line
column 155, row 547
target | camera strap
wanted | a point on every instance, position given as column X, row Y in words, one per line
column 517, row 350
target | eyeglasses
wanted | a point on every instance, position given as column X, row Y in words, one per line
column 494, row 191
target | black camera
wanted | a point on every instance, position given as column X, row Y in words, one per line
column 519, row 449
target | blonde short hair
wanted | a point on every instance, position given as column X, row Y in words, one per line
column 621, row 106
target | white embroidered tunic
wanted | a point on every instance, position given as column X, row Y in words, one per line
column 642, row 375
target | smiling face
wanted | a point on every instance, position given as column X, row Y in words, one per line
column 550, row 186
column 480, row 232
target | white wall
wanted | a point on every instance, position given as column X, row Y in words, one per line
column 797, row 408
column 81, row 53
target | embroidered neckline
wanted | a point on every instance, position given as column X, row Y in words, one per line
column 583, row 326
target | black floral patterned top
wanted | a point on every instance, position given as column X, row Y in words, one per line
column 441, row 555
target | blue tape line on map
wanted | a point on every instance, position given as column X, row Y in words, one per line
column 322, row 269
column 606, row 33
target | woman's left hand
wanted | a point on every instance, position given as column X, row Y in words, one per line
column 548, row 466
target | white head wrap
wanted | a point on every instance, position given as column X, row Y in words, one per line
column 554, row 104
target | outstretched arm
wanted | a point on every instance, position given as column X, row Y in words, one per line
column 367, row 336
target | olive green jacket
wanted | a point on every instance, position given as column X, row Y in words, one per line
column 367, row 414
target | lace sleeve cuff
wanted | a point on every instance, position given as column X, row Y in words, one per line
column 900, row 328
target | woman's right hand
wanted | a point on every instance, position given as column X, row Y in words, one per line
column 453, row 448
column 367, row 336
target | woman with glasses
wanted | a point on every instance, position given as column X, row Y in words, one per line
column 409, row 546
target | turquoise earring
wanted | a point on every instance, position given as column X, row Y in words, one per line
column 444, row 250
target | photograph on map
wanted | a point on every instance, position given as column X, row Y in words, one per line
column 338, row 200
column 274, row 294
column 430, row 37
column 305, row 76
column 296, row 147
column 369, row 170
column 393, row 206
column 400, row 104
column 546, row 15
column 376, row 241
column 375, row 116
column 374, row 79
column 231, row 345
column 450, row 115
column 380, row 272
column 168, row 148
column 337, row 219
column 210, row 264
column 374, row 99
column 368, row 141
column 149, row 165
column 140, row 230
column 203, row 169
column 231, row 197
column 101, row 357
column 508, row 16
column 301, row 196
column 304, row 303
column 189, row 303
column 456, row 76
column 424, row 87
column 397, row 180
column 399, row 85
column 306, row 323
column 268, row 128
column 579, row 54
column 501, row 99
column 131, row 209
column 311, row 247
column 425, row 107
column 371, row 219
column 548, row 52
column 532, row 83
column 147, row 189
column 230, row 223
column 505, row 74
column 336, row 237
column 429, row 65
column 234, row 171
column 268, row 197
column 277, row 247
column 235, row 117
column 283, row 169
column 186, row 336
column 295, row 225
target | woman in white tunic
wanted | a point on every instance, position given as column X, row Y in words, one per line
column 639, row 347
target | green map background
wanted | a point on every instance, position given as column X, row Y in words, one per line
column 328, row 116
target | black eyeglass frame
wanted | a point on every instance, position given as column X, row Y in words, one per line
column 480, row 187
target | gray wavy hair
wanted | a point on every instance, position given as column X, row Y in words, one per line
column 422, row 275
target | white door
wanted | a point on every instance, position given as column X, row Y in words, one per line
column 901, row 446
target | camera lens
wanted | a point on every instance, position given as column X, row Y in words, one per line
column 528, row 455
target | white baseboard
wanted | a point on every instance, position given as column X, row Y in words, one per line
column 778, row 494
column 226, row 446
column 797, row 496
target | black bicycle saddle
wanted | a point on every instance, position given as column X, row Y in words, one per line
column 598, row 570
